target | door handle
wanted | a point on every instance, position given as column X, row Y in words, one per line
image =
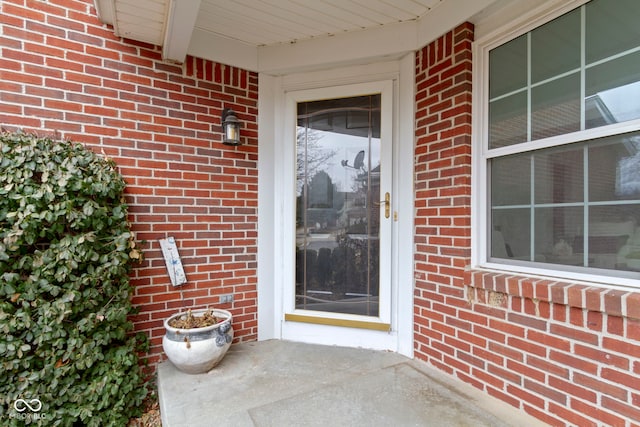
column 387, row 204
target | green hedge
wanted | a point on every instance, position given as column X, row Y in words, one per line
column 66, row 346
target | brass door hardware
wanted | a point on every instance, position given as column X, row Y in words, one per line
column 387, row 204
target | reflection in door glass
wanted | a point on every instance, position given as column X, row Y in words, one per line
column 337, row 205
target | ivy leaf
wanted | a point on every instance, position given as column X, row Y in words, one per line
column 65, row 248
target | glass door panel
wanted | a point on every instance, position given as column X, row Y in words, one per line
column 338, row 197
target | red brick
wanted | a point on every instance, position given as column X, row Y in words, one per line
column 621, row 378
column 595, row 321
column 549, row 340
column 573, row 362
column 573, row 418
column 575, row 295
column 603, row 357
column 621, row 346
column 615, row 325
column 632, row 305
column 574, row 333
column 543, row 390
column 543, row 416
column 487, row 379
column 488, row 356
column 594, row 299
column 526, row 371
column 595, row 411
column 527, row 321
column 527, row 346
column 601, row 386
column 633, row 329
column 507, row 351
column 560, row 312
column 572, row 389
column 613, row 302
column 559, row 293
column 525, row 396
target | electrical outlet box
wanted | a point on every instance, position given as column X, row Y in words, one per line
column 226, row 298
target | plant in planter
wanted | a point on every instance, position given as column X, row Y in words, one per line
column 196, row 341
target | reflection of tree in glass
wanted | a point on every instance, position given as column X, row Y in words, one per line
column 320, row 192
column 311, row 156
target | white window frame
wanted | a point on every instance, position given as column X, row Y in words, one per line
column 482, row 154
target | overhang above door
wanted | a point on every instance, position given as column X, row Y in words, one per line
column 275, row 36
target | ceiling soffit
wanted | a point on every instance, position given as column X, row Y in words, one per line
column 277, row 36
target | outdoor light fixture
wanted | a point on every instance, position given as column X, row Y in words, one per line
column 230, row 127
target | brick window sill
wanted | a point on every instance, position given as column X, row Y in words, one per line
column 613, row 302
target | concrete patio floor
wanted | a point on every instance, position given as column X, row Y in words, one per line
column 281, row 383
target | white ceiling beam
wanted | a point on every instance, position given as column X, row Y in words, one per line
column 223, row 50
column 389, row 41
column 180, row 22
column 105, row 10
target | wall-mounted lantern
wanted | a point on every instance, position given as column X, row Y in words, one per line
column 230, row 127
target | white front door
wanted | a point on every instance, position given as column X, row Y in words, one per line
column 341, row 215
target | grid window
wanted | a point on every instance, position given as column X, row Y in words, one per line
column 562, row 151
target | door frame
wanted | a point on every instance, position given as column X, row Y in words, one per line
column 274, row 246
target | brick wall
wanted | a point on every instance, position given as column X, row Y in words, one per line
column 62, row 73
column 566, row 353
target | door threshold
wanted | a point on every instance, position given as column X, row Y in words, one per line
column 347, row 323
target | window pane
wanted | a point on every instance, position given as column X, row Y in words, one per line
column 555, row 47
column 337, row 221
column 511, row 181
column 511, row 235
column 612, row 27
column 508, row 120
column 614, row 197
column 508, row 67
column 559, row 176
column 613, row 91
column 556, row 229
column 614, row 168
column 614, row 237
column 556, row 107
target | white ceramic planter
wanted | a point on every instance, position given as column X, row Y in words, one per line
column 198, row 350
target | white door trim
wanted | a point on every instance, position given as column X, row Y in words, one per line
column 288, row 154
column 274, row 265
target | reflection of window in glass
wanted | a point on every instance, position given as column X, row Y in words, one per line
column 628, row 171
column 613, row 105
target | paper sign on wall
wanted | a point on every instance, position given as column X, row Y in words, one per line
column 172, row 260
